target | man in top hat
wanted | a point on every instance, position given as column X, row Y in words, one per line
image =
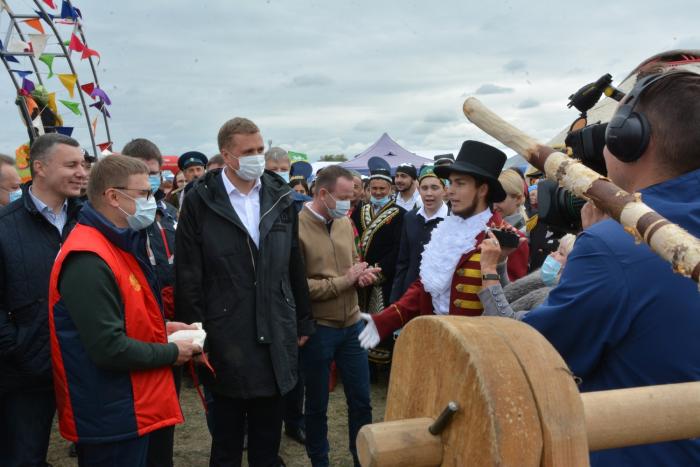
column 192, row 164
column 406, row 181
column 450, row 274
column 379, row 224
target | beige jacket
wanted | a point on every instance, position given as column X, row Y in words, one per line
column 328, row 256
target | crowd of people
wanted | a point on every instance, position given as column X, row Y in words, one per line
column 292, row 277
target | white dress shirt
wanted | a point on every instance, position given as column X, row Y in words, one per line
column 57, row 220
column 246, row 206
column 441, row 213
column 414, row 201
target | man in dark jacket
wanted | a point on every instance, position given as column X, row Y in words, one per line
column 32, row 230
column 239, row 270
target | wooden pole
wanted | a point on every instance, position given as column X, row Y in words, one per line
column 399, row 443
column 671, row 242
column 651, row 414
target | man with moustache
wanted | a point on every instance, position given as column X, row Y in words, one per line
column 32, row 229
column 450, row 274
column 407, row 195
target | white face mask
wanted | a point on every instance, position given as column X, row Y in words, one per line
column 341, row 208
column 251, row 167
column 145, row 212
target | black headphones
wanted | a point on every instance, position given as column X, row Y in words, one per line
column 628, row 132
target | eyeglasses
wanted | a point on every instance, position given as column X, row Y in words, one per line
column 144, row 193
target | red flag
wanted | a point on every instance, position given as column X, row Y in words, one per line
column 104, row 146
column 75, row 44
column 50, row 3
column 90, row 53
column 88, row 88
column 35, row 23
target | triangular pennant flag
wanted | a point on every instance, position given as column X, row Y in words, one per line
column 102, row 108
column 88, row 88
column 50, row 4
column 9, row 58
column 38, row 43
column 35, row 23
column 68, row 11
column 17, row 46
column 22, row 73
column 48, row 59
column 94, row 126
column 52, row 103
column 64, row 130
column 31, row 104
column 75, row 43
column 88, row 52
column 38, row 124
column 73, row 106
column 27, row 85
column 105, row 146
column 68, row 81
column 48, row 17
column 102, row 95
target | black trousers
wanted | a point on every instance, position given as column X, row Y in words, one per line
column 161, row 442
column 264, row 416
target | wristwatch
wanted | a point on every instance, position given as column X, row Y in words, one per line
column 490, row 277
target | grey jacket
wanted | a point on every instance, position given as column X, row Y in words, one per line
column 514, row 299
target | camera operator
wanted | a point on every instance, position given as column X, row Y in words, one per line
column 620, row 317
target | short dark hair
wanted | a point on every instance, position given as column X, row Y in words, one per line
column 216, row 160
column 43, row 146
column 672, row 106
column 328, row 176
column 143, row 149
column 233, row 127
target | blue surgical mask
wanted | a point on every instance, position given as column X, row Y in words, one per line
column 145, row 213
column 341, row 208
column 284, row 175
column 379, row 202
column 154, row 180
column 549, row 271
column 15, row 195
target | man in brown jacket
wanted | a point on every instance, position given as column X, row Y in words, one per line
column 333, row 271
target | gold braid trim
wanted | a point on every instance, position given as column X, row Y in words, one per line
column 384, row 216
column 403, row 322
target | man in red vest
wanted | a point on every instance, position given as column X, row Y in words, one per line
column 110, row 353
column 450, row 273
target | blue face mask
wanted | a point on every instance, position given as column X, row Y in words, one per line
column 549, row 271
column 379, row 202
column 154, row 180
column 284, row 175
column 15, row 195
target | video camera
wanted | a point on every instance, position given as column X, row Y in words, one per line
column 557, row 206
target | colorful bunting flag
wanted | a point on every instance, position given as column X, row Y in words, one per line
column 97, row 92
column 75, row 43
column 48, row 60
column 88, row 88
column 88, row 52
column 102, row 108
column 94, row 126
column 9, row 58
column 52, row 103
column 27, row 85
column 31, row 104
column 48, row 17
column 50, row 4
column 105, row 146
column 69, row 81
column 39, row 125
column 64, row 130
column 17, row 46
column 73, row 106
column 35, row 23
column 38, row 43
column 22, row 73
column 68, row 11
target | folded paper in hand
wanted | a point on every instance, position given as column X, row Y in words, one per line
column 197, row 336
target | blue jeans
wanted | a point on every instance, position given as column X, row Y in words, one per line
column 25, row 427
column 341, row 345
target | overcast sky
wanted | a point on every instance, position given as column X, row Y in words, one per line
column 326, row 77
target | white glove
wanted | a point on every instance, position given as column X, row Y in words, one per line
column 369, row 337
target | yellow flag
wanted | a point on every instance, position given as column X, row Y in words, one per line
column 52, row 102
column 68, row 81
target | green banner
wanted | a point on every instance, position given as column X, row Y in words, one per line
column 297, row 156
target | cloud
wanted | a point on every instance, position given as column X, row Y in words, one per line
column 439, row 117
column 310, row 80
column 529, row 103
column 515, row 65
column 492, row 89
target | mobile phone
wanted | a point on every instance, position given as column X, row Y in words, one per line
column 506, row 238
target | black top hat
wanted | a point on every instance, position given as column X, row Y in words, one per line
column 481, row 161
column 191, row 158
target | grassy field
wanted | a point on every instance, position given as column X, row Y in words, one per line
column 192, row 441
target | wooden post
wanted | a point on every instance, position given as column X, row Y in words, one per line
column 403, row 442
column 668, row 240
